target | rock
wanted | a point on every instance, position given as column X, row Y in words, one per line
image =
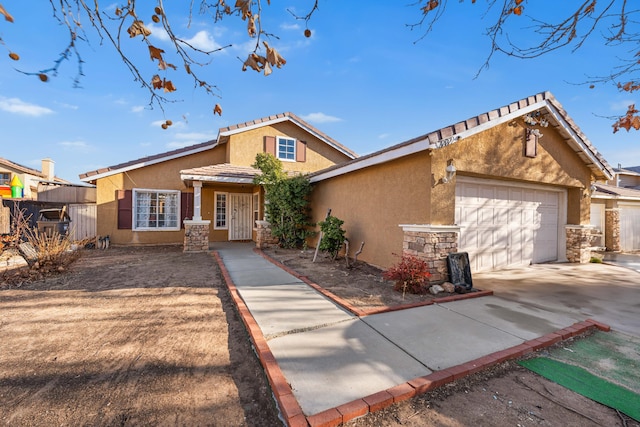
column 449, row 287
column 436, row 289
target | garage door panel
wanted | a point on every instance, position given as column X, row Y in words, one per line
column 505, row 225
column 629, row 228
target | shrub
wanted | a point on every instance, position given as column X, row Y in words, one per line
column 332, row 236
column 409, row 274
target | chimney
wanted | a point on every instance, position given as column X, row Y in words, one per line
column 47, row 169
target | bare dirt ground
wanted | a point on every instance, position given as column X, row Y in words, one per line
column 150, row 336
column 129, row 337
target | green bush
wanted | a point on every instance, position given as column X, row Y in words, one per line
column 286, row 201
column 332, row 236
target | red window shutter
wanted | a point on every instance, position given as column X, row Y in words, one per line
column 125, row 209
column 301, row 151
column 270, row 145
column 186, row 207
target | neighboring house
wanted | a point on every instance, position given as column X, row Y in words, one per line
column 615, row 210
column 510, row 187
column 28, row 177
column 207, row 188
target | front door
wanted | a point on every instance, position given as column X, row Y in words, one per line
column 240, row 213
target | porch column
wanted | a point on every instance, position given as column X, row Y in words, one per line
column 432, row 243
column 612, row 229
column 579, row 243
column 197, row 200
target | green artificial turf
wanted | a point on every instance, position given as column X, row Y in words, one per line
column 582, row 382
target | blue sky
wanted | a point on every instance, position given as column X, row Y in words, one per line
column 364, row 78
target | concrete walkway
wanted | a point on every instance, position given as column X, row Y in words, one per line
column 337, row 363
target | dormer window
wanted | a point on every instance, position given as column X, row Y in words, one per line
column 286, row 149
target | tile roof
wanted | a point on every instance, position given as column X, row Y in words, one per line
column 295, row 119
column 224, row 172
column 606, row 190
column 144, row 161
column 23, row 169
column 558, row 118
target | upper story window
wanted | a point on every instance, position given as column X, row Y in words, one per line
column 156, row 210
column 286, row 149
column 5, row 178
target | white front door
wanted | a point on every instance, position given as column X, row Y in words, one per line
column 504, row 225
column 240, row 213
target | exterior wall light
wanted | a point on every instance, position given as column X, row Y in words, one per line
column 449, row 173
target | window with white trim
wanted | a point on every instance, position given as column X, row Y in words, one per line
column 156, row 210
column 286, row 148
column 5, row 178
column 220, row 210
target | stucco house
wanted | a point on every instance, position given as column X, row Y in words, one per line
column 510, row 187
column 205, row 193
column 615, row 210
column 28, row 177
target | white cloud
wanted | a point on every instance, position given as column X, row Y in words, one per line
column 320, row 118
column 69, row 106
column 18, row 106
column 383, row 136
column 203, row 40
column 75, row 145
column 622, row 106
column 292, row 27
column 137, row 109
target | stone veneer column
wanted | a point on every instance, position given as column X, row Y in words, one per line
column 264, row 238
column 579, row 243
column 612, row 229
column 196, row 235
column 431, row 243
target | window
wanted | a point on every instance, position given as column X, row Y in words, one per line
column 5, row 178
column 286, row 149
column 256, row 208
column 156, row 210
column 221, row 211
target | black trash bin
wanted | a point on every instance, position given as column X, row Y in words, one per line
column 51, row 221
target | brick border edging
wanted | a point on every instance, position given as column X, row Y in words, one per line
column 360, row 312
column 374, row 402
column 291, row 411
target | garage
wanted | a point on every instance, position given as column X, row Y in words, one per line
column 629, row 227
column 504, row 225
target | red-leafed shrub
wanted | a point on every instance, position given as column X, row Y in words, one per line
column 409, row 274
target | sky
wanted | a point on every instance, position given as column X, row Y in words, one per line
column 365, row 77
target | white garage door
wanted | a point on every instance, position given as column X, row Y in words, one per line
column 629, row 228
column 503, row 226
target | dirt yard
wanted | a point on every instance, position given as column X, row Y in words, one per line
column 150, row 336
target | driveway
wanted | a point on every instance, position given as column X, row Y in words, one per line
column 604, row 292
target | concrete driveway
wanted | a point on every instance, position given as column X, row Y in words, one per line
column 604, row 292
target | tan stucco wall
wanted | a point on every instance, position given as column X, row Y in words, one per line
column 165, row 176
column 498, row 153
column 374, row 201
column 243, row 147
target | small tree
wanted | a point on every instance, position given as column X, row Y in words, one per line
column 332, row 236
column 287, row 203
column 409, row 274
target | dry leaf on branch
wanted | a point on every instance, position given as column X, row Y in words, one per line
column 138, row 28
column 156, row 82
column 217, row 110
column 168, row 86
column 245, row 8
column 14, row 56
column 630, row 120
column 251, row 26
column 252, row 62
column 7, row 15
column 273, row 57
column 155, row 53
